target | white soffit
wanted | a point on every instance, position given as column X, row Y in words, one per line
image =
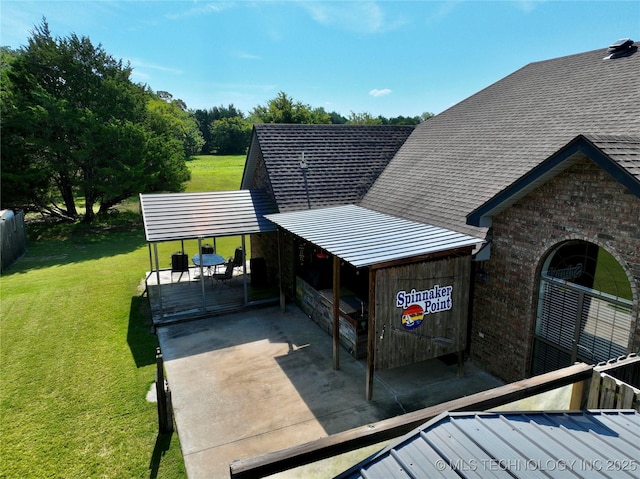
column 363, row 237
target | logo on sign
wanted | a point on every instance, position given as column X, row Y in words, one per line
column 412, row 316
column 417, row 304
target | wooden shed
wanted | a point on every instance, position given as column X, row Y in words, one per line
column 418, row 281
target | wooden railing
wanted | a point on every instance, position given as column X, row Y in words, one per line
column 614, row 385
column 374, row 433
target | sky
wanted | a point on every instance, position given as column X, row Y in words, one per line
column 386, row 58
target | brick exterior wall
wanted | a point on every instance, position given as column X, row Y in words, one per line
column 582, row 203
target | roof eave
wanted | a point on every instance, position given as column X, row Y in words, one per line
column 567, row 156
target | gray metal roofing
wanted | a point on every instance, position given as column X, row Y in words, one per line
column 174, row 216
column 363, row 237
column 343, row 161
column 459, row 159
column 581, row 444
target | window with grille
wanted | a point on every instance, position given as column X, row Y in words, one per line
column 584, row 308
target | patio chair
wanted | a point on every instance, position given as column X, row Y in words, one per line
column 238, row 258
column 180, row 264
column 222, row 278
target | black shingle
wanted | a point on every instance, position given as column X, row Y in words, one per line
column 454, row 162
column 343, row 161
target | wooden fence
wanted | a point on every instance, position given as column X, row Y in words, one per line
column 13, row 239
column 613, row 385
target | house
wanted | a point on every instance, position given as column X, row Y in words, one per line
column 314, row 166
column 564, row 133
column 337, row 260
column 543, row 168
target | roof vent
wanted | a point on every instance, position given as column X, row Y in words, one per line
column 621, row 48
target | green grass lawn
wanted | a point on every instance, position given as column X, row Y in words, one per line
column 77, row 356
column 215, row 173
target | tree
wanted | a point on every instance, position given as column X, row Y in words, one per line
column 176, row 122
column 74, row 125
column 363, row 119
column 21, row 180
column 230, row 136
column 206, row 119
column 283, row 109
column 337, row 118
column 427, row 115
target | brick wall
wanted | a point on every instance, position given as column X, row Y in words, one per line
column 582, row 203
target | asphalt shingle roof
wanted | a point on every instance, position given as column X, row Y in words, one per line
column 459, row 159
column 617, row 155
column 624, row 150
column 343, row 161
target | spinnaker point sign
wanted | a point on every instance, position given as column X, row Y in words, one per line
column 417, row 304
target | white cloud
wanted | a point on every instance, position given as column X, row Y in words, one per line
column 383, row 92
column 528, row 6
column 359, row 17
column 246, row 56
column 205, row 9
column 141, row 64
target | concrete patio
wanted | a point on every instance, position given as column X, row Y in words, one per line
column 261, row 380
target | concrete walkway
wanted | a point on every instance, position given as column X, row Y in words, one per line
column 262, row 380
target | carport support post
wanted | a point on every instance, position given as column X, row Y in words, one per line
column 371, row 333
column 282, row 299
column 204, row 298
column 155, row 253
column 336, row 312
column 244, row 271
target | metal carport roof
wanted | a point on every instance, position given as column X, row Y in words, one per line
column 581, row 444
column 365, row 237
column 176, row 216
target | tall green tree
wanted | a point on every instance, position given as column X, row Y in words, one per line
column 216, row 137
column 284, row 109
column 74, row 125
column 174, row 120
column 230, row 136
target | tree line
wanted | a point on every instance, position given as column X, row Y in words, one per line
column 227, row 130
column 79, row 136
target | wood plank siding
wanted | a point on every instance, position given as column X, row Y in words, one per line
column 444, row 324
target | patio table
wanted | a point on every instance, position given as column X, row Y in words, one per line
column 209, row 260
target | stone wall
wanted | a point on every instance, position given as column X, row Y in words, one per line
column 582, row 203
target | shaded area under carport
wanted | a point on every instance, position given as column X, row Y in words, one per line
column 262, row 380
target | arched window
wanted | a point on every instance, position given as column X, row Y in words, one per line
column 584, row 308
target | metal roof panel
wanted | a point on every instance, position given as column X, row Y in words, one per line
column 365, row 237
column 581, row 444
column 173, row 216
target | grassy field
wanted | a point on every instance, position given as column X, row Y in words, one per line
column 77, row 352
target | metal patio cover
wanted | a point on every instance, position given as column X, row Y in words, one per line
column 177, row 216
column 364, row 237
